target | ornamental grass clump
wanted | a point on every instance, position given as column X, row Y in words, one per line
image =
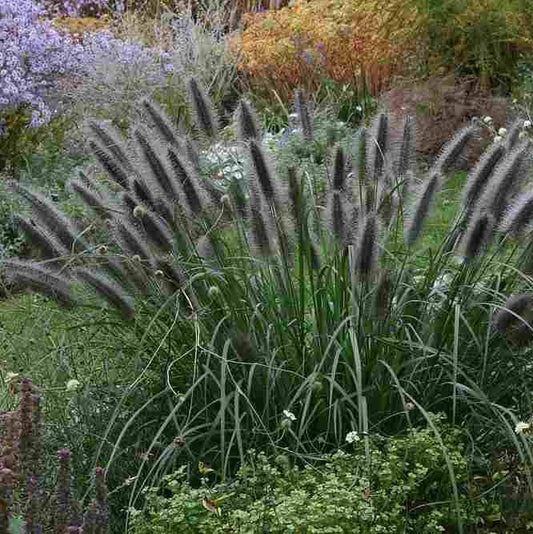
column 25, row 497
column 318, row 296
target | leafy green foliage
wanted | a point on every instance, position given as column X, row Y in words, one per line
column 398, row 484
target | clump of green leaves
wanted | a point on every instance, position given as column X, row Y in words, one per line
column 398, row 484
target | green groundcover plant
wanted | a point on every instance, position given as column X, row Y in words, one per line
column 288, row 310
column 391, row 485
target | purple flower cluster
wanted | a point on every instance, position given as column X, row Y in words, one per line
column 32, row 55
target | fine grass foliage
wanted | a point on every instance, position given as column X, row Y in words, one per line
column 275, row 315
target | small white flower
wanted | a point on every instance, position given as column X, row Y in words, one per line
column 527, row 124
column 522, row 427
column 10, row 377
column 487, row 119
column 352, row 437
column 289, row 415
column 409, row 406
column 498, row 138
column 73, row 385
column 359, row 108
column 502, row 131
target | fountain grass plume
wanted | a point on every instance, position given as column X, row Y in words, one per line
column 421, row 208
column 162, row 124
column 304, row 115
column 41, row 280
column 453, row 149
column 514, row 319
column 519, row 215
column 366, row 251
column 261, row 232
column 157, row 231
column 92, row 199
column 377, row 146
column 111, row 142
column 512, row 139
column 109, row 291
column 478, row 236
column 158, row 168
column 339, row 170
column 89, row 182
column 49, row 246
column 407, row 152
column 263, row 175
column 247, row 122
column 203, row 110
column 506, row 177
column 295, row 197
column 194, row 199
column 55, row 221
column 109, row 164
column 480, row 175
column 130, row 240
column 336, row 218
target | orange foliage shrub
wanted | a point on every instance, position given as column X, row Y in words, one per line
column 78, row 26
column 337, row 39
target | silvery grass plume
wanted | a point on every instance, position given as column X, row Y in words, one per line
column 512, row 139
column 247, row 122
column 156, row 165
column 109, row 291
column 506, row 177
column 453, row 149
column 91, row 198
column 202, row 107
column 304, row 115
column 261, row 231
column 38, row 237
column 109, row 164
column 295, row 197
column 366, row 251
column 191, row 190
column 478, row 236
column 110, row 141
column 420, row 210
column 376, row 147
column 158, row 234
column 41, row 280
column 162, row 124
column 336, row 218
column 55, row 221
column 263, row 179
column 407, row 151
column 519, row 215
column 130, row 240
column 514, row 319
column 339, row 170
column 480, row 175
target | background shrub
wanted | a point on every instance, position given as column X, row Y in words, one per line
column 361, row 43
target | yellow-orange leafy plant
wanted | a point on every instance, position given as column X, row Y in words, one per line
column 78, row 26
column 338, row 39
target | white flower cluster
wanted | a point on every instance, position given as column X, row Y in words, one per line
column 353, row 437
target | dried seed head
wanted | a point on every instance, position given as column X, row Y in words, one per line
column 477, row 237
column 421, row 208
column 514, row 320
column 202, row 107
